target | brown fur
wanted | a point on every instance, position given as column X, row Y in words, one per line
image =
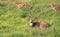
column 42, row 25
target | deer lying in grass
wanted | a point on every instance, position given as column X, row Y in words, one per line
column 55, row 7
column 35, row 24
column 21, row 5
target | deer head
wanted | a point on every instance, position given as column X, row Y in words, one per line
column 52, row 4
column 32, row 21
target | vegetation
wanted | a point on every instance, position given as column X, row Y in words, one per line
column 14, row 22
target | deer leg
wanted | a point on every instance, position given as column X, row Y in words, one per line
column 55, row 10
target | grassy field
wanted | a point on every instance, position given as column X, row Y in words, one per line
column 14, row 22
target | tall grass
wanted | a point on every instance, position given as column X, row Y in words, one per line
column 14, row 22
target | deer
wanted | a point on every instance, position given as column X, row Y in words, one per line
column 55, row 7
column 36, row 24
column 23, row 4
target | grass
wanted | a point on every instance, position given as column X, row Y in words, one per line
column 14, row 22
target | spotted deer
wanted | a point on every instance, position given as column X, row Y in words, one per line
column 21, row 5
column 36, row 24
column 55, row 7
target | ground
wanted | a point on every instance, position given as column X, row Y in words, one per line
column 14, row 22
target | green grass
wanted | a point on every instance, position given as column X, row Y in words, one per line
column 14, row 22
